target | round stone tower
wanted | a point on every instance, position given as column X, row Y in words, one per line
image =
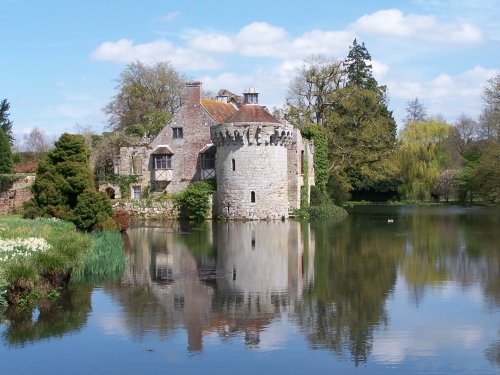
column 251, row 163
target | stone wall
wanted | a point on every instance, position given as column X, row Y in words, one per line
column 16, row 195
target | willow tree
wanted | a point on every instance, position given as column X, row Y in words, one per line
column 421, row 157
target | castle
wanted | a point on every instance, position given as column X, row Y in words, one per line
column 259, row 163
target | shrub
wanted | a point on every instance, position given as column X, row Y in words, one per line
column 194, row 203
column 92, row 208
column 318, row 196
column 122, row 219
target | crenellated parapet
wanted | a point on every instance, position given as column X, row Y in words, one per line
column 254, row 134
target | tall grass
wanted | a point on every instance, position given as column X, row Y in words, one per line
column 104, row 262
column 28, row 268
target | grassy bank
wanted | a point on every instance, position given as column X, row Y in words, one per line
column 37, row 256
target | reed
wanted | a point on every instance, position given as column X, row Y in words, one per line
column 104, row 262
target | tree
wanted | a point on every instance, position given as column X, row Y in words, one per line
column 5, row 153
column 485, row 176
column 64, row 183
column 446, row 184
column 415, row 111
column 5, row 123
column 490, row 117
column 359, row 70
column 148, row 95
column 361, row 135
column 421, row 157
column 37, row 142
column 309, row 93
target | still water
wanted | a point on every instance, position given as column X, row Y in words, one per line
column 418, row 295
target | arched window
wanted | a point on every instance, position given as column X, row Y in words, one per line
column 233, row 163
column 252, row 197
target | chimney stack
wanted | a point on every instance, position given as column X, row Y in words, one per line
column 193, row 93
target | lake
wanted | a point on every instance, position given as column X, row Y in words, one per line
column 390, row 290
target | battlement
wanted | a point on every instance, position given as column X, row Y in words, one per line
column 254, row 134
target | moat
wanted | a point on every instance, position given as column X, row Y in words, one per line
column 390, row 290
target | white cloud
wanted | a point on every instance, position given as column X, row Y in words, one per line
column 262, row 39
column 216, row 43
column 394, row 23
column 124, row 51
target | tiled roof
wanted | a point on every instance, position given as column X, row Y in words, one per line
column 252, row 113
column 220, row 111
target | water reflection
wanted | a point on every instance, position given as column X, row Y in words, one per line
column 423, row 288
column 238, row 283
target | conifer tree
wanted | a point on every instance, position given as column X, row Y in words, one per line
column 5, row 153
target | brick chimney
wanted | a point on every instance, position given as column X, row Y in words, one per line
column 193, row 93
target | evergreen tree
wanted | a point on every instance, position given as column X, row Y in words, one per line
column 64, row 184
column 358, row 68
column 5, row 153
column 5, row 123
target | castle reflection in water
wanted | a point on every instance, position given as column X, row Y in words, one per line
column 229, row 278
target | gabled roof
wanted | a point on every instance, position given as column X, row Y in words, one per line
column 252, row 113
column 220, row 111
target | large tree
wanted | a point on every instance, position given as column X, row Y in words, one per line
column 490, row 117
column 362, row 136
column 310, row 92
column 64, row 186
column 148, row 96
column 5, row 123
column 358, row 68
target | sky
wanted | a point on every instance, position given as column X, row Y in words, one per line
column 59, row 59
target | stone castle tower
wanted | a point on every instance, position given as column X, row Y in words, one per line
column 251, row 163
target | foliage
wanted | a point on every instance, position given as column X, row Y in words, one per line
column 6, row 180
column 309, row 92
column 194, row 203
column 64, row 186
column 5, row 153
column 326, row 210
column 148, row 95
column 304, row 189
column 485, row 176
column 317, row 134
column 361, row 134
column 122, row 219
column 105, row 261
column 421, row 157
column 5, row 123
column 41, row 254
column 92, row 209
column 62, row 176
column 359, row 70
column 123, row 181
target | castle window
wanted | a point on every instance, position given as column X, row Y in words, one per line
column 137, row 192
column 207, row 161
column 302, row 162
column 252, row 197
column 177, row 133
column 163, row 161
column 233, row 162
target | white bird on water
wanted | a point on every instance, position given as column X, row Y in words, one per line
column 390, row 220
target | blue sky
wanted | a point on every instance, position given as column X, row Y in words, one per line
column 59, row 59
